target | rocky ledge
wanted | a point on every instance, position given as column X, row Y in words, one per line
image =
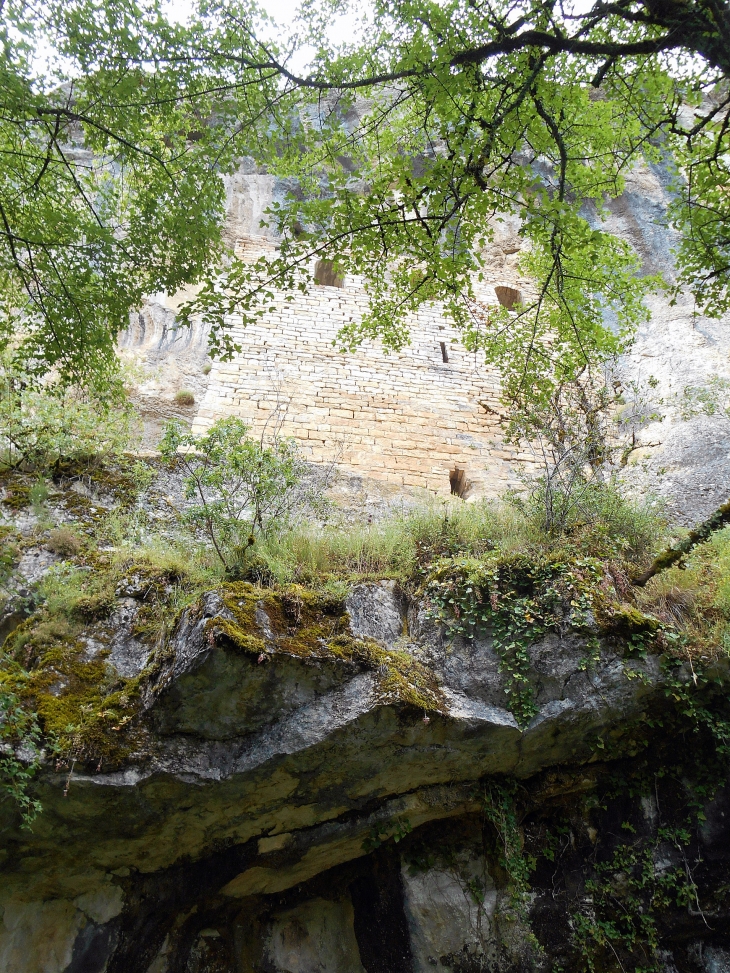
column 311, row 786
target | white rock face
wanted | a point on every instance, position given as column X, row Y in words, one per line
column 444, row 920
column 248, row 195
column 43, row 937
column 102, row 904
column 316, row 937
column 376, row 611
column 38, row 937
column 685, row 450
column 711, row 959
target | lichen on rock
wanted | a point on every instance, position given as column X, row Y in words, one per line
column 269, row 779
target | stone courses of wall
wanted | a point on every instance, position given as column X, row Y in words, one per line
column 408, row 418
column 684, row 460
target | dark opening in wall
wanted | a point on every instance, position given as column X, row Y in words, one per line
column 459, row 483
column 508, row 296
column 325, row 275
column 444, row 352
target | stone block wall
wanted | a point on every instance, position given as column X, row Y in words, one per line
column 412, row 419
column 408, row 421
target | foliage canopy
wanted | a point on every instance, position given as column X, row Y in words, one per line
column 396, row 154
column 238, row 487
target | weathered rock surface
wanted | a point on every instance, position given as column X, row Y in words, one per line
column 284, row 812
column 684, row 454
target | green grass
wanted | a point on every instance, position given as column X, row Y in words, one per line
column 403, row 545
column 694, row 597
column 389, row 548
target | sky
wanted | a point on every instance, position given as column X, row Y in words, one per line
column 342, row 29
column 283, row 12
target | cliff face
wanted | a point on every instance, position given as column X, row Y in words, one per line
column 311, row 786
column 407, row 420
column 293, row 782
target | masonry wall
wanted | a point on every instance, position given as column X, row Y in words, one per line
column 407, row 420
column 411, row 419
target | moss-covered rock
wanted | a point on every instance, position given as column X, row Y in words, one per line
column 309, row 625
column 269, row 743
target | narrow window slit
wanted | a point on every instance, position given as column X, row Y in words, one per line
column 444, row 352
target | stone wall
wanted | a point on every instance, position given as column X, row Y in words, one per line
column 405, row 422
column 414, row 418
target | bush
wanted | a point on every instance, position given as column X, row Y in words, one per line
column 694, row 596
column 65, row 541
column 184, row 397
column 596, row 511
column 240, row 488
column 45, row 425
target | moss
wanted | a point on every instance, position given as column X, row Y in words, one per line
column 105, row 480
column 87, row 712
column 85, row 709
column 9, row 553
column 402, row 678
column 104, row 477
column 311, row 624
column 236, row 636
column 17, row 496
column 626, row 620
column 82, row 508
column 81, row 704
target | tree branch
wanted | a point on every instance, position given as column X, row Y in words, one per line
column 672, row 555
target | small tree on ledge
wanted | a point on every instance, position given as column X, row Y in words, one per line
column 240, row 487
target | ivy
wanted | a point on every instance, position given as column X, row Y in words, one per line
column 380, row 833
column 622, row 899
column 690, row 697
column 500, row 809
column 19, row 754
column 517, row 600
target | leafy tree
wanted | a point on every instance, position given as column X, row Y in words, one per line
column 109, row 174
column 449, row 116
column 401, row 150
column 239, row 487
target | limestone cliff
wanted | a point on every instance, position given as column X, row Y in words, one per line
column 290, row 782
column 407, row 421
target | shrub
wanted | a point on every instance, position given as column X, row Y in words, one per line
column 184, row 397
column 143, row 476
column 598, row 512
column 241, row 488
column 65, row 541
column 207, row 368
column 44, row 425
